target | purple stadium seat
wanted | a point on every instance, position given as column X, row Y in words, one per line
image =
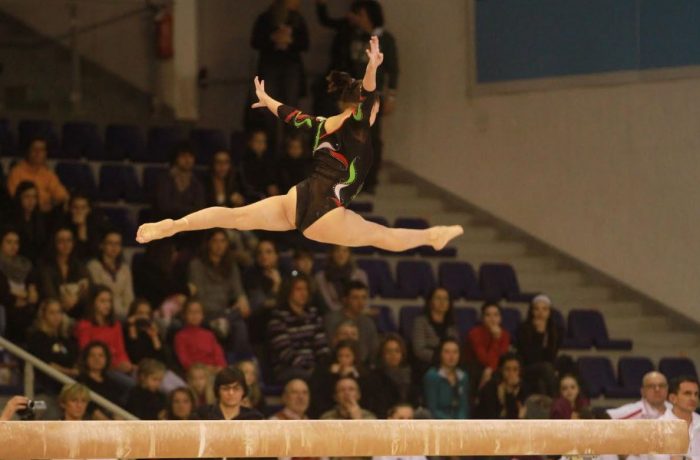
column 162, row 142
column 631, row 370
column 429, row 251
column 151, row 175
column 381, row 282
column 29, row 128
column 465, row 319
column 459, row 279
column 587, row 327
column 417, row 223
column 384, row 320
column 499, row 281
column 119, row 217
column 378, row 220
column 511, row 319
column 407, row 315
column 124, row 141
column 120, row 182
column 77, row 177
column 238, row 144
column 676, row 367
column 81, row 140
column 597, row 373
column 8, row 143
column 414, row 278
column 206, row 142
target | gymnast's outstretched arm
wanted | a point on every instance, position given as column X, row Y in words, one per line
column 369, row 82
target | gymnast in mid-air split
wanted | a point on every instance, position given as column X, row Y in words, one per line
column 317, row 206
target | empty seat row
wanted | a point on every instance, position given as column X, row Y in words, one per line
column 598, row 375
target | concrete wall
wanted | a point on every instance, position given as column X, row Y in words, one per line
column 607, row 174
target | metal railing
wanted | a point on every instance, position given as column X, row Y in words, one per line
column 31, row 362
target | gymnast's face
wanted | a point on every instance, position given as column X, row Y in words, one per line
column 686, row 400
column 655, row 388
column 568, row 387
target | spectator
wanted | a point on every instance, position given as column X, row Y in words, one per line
column 303, row 262
column 224, row 186
column 354, row 305
column 446, row 385
column 34, row 168
column 94, row 364
column 179, row 192
column 653, row 403
column 230, row 389
column 538, row 342
column 195, row 344
column 141, row 336
column 503, row 396
column 488, row 341
column 109, row 269
column 214, row 278
column 401, row 411
column 156, row 278
column 262, row 282
column 14, row 405
column 391, row 382
column 257, row 168
column 537, row 407
column 100, row 325
column 29, row 221
column 684, row 393
column 347, row 398
column 145, row 400
column 344, row 364
column 201, row 382
column 18, row 291
column 87, row 224
column 295, row 333
column 295, row 399
column 74, row 399
column 63, row 277
column 51, row 342
column 294, row 165
column 339, row 272
column 181, row 405
column 436, row 324
column 255, row 399
column 570, row 401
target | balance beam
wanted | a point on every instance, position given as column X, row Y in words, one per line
column 348, row 438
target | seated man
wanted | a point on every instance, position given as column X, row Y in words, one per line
column 684, row 393
column 347, row 398
column 653, row 403
column 295, row 398
column 229, row 389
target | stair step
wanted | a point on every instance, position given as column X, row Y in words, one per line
column 579, row 296
column 493, row 251
column 622, row 327
column 419, row 207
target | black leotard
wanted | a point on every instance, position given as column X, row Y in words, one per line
column 342, row 159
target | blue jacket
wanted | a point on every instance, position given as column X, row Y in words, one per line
column 443, row 400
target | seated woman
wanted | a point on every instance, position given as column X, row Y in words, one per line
column 200, row 380
column 262, row 283
column 181, row 405
column 30, row 223
column 255, row 398
column 345, row 363
column 571, row 401
column 100, row 325
column 446, row 385
column 94, row 365
column 436, row 324
column 50, row 340
column 74, row 399
column 18, row 289
column 340, row 270
column 109, row 269
column 391, row 382
column 87, row 224
column 62, row 276
column 488, row 341
column 503, row 397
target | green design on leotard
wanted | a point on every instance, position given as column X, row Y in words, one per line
column 318, row 133
column 306, row 121
column 357, row 114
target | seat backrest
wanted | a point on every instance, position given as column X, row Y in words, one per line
column 597, row 373
column 417, row 223
column 496, row 281
column 587, row 325
column 465, row 319
column 407, row 316
column 631, row 371
column 378, row 272
column 459, row 279
column 206, row 142
column 676, row 367
column 162, row 142
column 124, row 141
column 414, row 278
column 511, row 319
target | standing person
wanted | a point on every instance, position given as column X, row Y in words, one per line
column 446, row 385
column 317, row 206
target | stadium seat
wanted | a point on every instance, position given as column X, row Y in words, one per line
column 631, row 371
column 510, row 320
column 28, row 129
column 416, row 223
column 120, row 182
column 81, row 140
column 587, row 328
column 499, row 281
column 459, row 279
column 361, row 206
column 407, row 315
column 381, row 282
column 8, row 142
column 151, row 176
column 676, row 367
column 162, row 142
column 414, row 278
column 206, row 142
column 384, row 319
column 120, row 219
column 597, row 374
column 77, row 177
column 124, row 141
column 465, row 319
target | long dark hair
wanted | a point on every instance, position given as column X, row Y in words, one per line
column 437, row 355
column 288, row 286
column 82, row 362
column 169, row 415
column 551, row 330
column 52, row 254
column 226, row 264
column 344, row 86
column 449, row 315
column 91, row 313
column 17, row 200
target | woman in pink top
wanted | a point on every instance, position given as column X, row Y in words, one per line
column 195, row 344
column 100, row 325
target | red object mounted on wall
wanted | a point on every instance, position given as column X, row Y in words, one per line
column 164, row 33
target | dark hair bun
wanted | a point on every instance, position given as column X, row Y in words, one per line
column 338, row 81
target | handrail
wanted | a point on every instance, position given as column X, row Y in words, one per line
column 56, row 375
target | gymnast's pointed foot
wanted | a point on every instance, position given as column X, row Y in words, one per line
column 155, row 231
column 441, row 235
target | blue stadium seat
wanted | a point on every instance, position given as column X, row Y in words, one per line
column 459, row 278
column 206, row 142
column 238, row 145
column 162, row 142
column 44, row 128
column 416, row 223
column 676, row 367
column 124, row 141
column 587, row 327
column 414, row 278
column 120, row 182
column 381, row 282
column 511, row 319
column 465, row 319
column 499, row 281
column 407, row 316
column 8, row 142
column 81, row 140
column 631, row 371
column 151, row 176
column 597, row 374
column 385, row 320
column 77, row 177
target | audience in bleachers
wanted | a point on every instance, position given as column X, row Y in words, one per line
column 504, row 395
column 142, row 338
column 196, row 344
column 230, row 388
column 446, row 386
column 88, row 225
column 255, row 398
column 29, row 221
column 342, row 363
column 571, row 401
column 653, row 404
column 295, row 400
column 224, row 185
column 200, row 380
column 109, row 269
column 18, row 288
column 95, row 361
column 488, row 341
column 73, row 400
column 303, row 262
column 436, row 324
column 156, row 277
column 347, row 402
column 339, row 271
column 294, row 165
column 34, row 168
column 180, row 405
column 145, row 400
column 178, row 191
column 257, row 168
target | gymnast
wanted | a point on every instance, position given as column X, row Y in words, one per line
column 317, row 206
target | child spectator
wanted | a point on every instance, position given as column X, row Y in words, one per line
column 195, row 344
column 181, row 405
column 570, row 401
column 255, row 399
column 201, row 382
column 74, row 399
column 145, row 400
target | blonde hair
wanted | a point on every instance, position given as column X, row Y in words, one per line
column 148, row 366
column 254, row 392
column 209, row 396
column 73, row 391
column 40, row 321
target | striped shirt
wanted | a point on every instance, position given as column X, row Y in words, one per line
column 296, row 340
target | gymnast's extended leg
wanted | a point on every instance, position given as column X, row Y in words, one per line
column 345, row 227
column 275, row 213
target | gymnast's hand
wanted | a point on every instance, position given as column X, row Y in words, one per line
column 260, row 92
column 375, row 56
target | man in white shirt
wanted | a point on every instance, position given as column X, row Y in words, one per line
column 684, row 393
column 653, row 403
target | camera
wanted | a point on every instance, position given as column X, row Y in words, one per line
column 29, row 412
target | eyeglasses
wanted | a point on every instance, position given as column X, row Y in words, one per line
column 656, row 386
